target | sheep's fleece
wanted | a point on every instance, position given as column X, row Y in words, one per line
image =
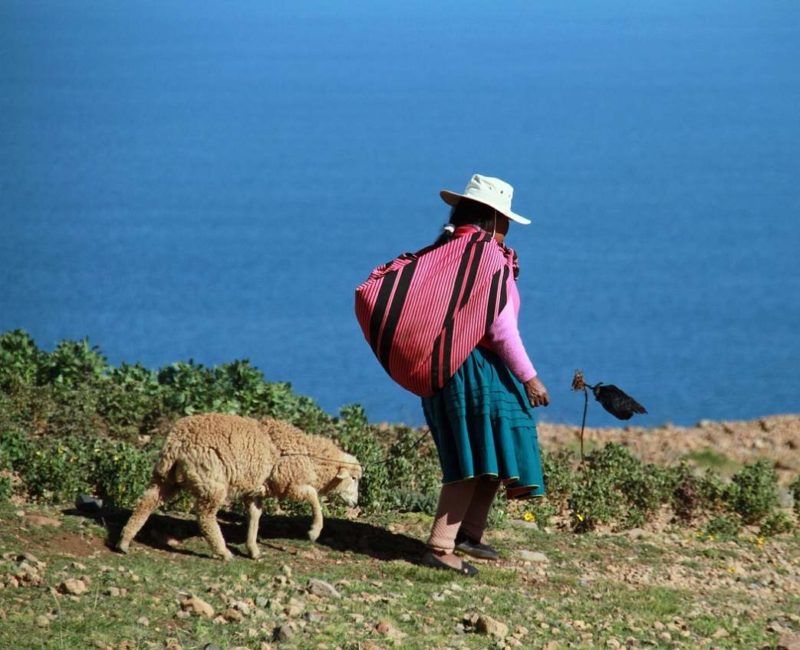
column 215, row 455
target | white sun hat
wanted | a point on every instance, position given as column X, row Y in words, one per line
column 490, row 191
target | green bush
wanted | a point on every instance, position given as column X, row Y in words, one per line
column 19, row 359
column 776, row 524
column 795, row 490
column 72, row 364
column 724, row 527
column 57, row 469
column 120, row 472
column 753, row 491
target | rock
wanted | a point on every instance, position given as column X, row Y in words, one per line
column 720, row 633
column 233, row 615
column 322, row 589
column 42, row 621
column 789, row 641
column 533, row 556
column 284, row 632
column 211, row 646
column 112, row 591
column 73, row 587
column 491, row 627
column 294, row 608
column 385, row 628
column 143, row 621
column 197, row 606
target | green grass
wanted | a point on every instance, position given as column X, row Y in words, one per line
column 595, row 587
column 710, row 459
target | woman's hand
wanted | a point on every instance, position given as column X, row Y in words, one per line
column 537, row 392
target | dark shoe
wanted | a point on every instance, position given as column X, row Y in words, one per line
column 475, row 549
column 466, row 569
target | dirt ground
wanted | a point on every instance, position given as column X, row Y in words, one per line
column 776, row 437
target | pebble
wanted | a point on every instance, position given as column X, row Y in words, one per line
column 533, row 556
column 387, row 629
column 42, row 621
column 73, row 587
column 491, row 627
column 322, row 589
column 197, row 606
column 284, row 632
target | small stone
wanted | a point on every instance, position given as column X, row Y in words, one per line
column 720, row 633
column 143, row 621
column 73, row 587
column 197, row 606
column 789, row 641
column 385, row 628
column 211, row 646
column 665, row 636
column 491, row 627
column 533, row 556
column 322, row 589
column 233, row 615
column 294, row 608
column 283, row 632
column 286, row 570
column 112, row 591
column 42, row 621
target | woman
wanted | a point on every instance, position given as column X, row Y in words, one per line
column 481, row 419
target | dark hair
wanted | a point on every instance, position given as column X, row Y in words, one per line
column 467, row 212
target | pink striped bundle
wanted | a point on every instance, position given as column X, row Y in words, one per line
column 424, row 312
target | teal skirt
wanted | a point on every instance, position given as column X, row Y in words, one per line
column 483, row 425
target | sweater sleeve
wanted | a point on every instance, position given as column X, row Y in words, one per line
column 504, row 340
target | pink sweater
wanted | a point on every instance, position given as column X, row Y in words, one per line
column 504, row 340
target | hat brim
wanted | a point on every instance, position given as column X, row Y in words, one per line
column 451, row 198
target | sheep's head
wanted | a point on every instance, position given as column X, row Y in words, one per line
column 346, row 482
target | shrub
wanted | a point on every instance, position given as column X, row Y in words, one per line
column 686, row 497
column 357, row 437
column 795, row 489
column 776, row 524
column 753, row 492
column 558, row 477
column 130, row 398
column 724, row 527
column 121, row 472
column 19, row 359
column 72, row 364
column 56, row 470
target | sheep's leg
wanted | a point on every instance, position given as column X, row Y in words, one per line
column 154, row 496
column 253, row 516
column 308, row 493
column 210, row 498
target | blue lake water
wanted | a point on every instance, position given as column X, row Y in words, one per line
column 212, row 180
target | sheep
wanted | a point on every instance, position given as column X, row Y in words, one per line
column 213, row 455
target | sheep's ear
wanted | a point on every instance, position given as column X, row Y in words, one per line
column 342, row 473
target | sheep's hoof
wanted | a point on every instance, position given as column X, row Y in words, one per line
column 122, row 547
column 254, row 553
column 313, row 534
column 227, row 556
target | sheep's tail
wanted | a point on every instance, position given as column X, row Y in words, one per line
column 166, row 461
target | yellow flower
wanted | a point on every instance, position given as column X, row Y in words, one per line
column 760, row 541
column 711, row 538
column 581, row 517
column 731, row 569
column 529, row 516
